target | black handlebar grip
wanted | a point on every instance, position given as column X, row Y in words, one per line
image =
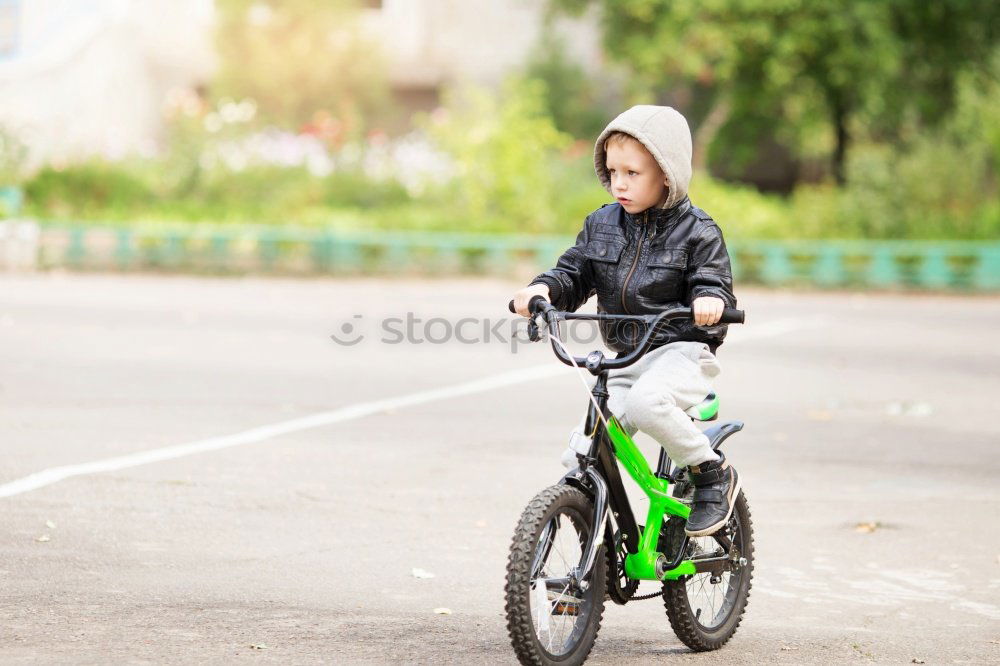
column 531, row 303
column 731, row 316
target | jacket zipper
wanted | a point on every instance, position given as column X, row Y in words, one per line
column 642, row 239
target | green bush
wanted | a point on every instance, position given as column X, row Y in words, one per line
column 345, row 189
column 940, row 184
column 13, row 154
column 91, row 189
column 515, row 172
column 506, row 153
column 740, row 210
column 133, row 191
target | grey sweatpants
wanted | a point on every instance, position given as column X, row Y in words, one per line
column 652, row 394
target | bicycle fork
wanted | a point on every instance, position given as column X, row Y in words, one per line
column 597, row 530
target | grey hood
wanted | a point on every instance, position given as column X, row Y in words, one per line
column 665, row 134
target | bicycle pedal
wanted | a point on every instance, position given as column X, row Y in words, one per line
column 564, row 604
column 566, row 608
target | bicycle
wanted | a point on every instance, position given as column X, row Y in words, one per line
column 578, row 544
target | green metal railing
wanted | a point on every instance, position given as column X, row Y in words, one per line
column 921, row 264
column 930, row 264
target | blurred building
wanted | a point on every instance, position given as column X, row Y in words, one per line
column 81, row 77
column 86, row 77
column 430, row 43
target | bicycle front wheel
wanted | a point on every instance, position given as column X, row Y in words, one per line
column 550, row 619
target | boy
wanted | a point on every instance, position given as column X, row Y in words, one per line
column 650, row 251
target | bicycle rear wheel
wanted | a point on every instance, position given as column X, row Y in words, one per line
column 551, row 620
column 706, row 609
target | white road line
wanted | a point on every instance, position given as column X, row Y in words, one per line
column 54, row 474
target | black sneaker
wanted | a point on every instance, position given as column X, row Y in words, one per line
column 716, row 485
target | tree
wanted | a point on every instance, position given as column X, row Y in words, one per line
column 578, row 104
column 822, row 70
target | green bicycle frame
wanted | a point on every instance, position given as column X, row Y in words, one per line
column 642, row 565
column 598, row 472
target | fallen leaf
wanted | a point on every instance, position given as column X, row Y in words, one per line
column 907, row 408
column 443, row 611
column 49, row 524
column 867, row 528
column 420, row 573
column 43, row 538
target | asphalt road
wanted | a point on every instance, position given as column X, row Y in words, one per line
column 318, row 476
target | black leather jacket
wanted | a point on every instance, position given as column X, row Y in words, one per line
column 643, row 264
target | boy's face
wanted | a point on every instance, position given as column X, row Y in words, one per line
column 637, row 181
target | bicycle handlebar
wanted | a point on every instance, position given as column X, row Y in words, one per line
column 538, row 305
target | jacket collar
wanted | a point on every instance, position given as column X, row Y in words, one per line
column 659, row 216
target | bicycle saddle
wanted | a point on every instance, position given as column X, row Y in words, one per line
column 706, row 410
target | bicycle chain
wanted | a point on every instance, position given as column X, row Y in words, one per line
column 643, row 597
column 620, row 594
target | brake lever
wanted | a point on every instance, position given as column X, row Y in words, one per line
column 535, row 329
column 533, row 334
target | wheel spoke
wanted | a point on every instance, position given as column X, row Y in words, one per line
column 711, row 603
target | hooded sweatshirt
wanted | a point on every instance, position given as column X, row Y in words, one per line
column 665, row 134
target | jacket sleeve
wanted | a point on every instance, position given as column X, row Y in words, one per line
column 571, row 282
column 709, row 272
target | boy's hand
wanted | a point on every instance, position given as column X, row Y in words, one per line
column 707, row 310
column 522, row 297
